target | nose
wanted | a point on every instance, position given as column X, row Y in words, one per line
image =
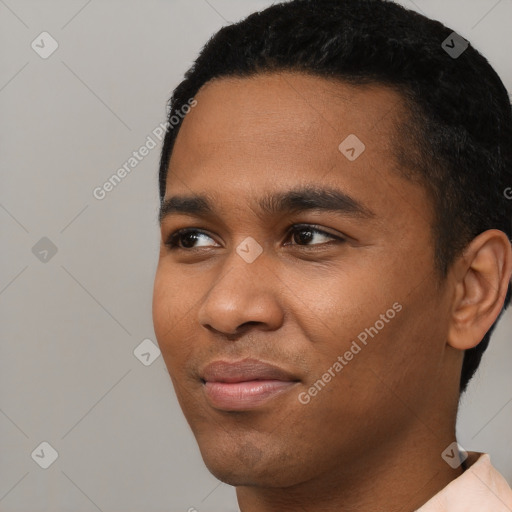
column 244, row 293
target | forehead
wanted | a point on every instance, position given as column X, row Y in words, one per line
column 278, row 129
column 289, row 112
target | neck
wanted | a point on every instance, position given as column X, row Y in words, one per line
column 399, row 476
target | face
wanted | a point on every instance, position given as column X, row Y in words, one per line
column 298, row 311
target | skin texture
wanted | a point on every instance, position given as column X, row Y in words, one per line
column 372, row 438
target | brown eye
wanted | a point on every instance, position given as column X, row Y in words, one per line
column 304, row 234
column 185, row 239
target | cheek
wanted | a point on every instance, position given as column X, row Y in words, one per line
column 370, row 319
column 332, row 309
column 170, row 311
column 161, row 307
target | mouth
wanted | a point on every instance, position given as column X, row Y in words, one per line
column 244, row 385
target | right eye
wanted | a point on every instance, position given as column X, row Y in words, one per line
column 186, row 237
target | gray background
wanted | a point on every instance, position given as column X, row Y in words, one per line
column 70, row 324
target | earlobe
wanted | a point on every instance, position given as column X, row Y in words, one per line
column 482, row 276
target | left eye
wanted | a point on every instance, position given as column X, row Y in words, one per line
column 302, row 234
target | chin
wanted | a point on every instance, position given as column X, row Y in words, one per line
column 246, row 464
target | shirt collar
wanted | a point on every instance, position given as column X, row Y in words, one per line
column 480, row 488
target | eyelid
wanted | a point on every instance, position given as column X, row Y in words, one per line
column 175, row 234
column 316, row 228
column 293, row 228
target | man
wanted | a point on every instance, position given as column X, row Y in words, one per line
column 335, row 254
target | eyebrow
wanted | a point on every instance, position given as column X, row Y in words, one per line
column 276, row 203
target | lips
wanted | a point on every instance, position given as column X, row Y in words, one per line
column 245, row 384
column 244, row 371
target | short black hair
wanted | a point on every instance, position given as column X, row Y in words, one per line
column 457, row 138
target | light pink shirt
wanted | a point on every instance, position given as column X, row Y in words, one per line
column 481, row 488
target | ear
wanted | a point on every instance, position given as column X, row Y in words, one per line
column 482, row 275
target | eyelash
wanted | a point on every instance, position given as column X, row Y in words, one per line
column 173, row 239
